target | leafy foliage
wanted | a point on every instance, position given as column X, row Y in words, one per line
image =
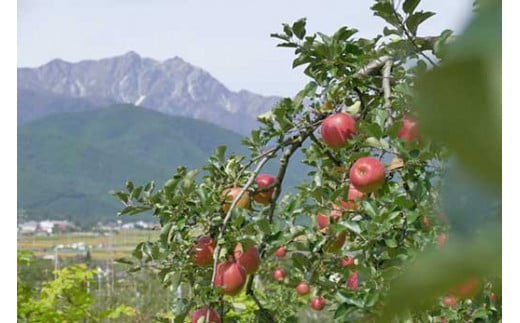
column 64, row 299
column 397, row 235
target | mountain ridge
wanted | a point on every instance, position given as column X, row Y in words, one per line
column 172, row 86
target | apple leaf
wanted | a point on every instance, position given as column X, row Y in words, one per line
column 468, row 118
column 414, row 20
column 410, row 5
column 385, row 10
column 436, row 272
column 299, row 28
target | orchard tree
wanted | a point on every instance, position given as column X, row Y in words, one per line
column 66, row 298
column 399, row 216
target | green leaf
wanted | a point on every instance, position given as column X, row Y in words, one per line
column 410, row 5
column 299, row 28
column 385, row 10
column 403, row 202
column 149, row 187
column 220, row 153
column 309, row 89
column 279, row 36
column 345, row 297
column 344, row 33
column 264, row 226
column 391, row 243
column 289, row 45
column 369, row 209
column 452, row 114
column 351, row 226
column 132, row 210
column 129, row 186
column 390, row 31
column 300, row 60
column 413, row 21
column 136, row 192
column 434, row 273
column 300, row 261
column 287, row 30
column 440, row 44
column 341, row 311
column 121, row 196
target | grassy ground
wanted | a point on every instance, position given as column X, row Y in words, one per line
column 111, row 246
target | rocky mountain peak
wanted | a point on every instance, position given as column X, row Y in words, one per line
column 174, row 87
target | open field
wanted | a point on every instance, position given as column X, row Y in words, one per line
column 102, row 246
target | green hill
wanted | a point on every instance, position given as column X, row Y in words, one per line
column 68, row 162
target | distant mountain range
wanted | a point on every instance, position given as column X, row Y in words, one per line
column 85, row 128
column 173, row 87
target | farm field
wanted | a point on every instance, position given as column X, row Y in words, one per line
column 101, row 246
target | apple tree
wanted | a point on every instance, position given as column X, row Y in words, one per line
column 400, row 204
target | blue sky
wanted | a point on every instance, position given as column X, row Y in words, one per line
column 229, row 39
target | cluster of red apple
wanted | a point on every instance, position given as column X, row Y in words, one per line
column 231, row 275
column 367, row 175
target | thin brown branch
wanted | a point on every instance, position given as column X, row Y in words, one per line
column 284, row 162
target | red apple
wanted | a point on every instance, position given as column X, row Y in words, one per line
column 347, row 262
column 409, row 131
column 203, row 251
column 353, row 194
column 426, row 221
column 280, row 252
column 229, row 194
column 264, row 181
column 441, row 239
column 367, row 174
column 303, row 288
column 231, row 276
column 324, row 220
column 249, row 259
column 318, row 303
column 279, row 274
column 449, row 301
column 337, row 128
column 468, row 289
column 201, row 313
column 492, row 297
column 353, row 281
